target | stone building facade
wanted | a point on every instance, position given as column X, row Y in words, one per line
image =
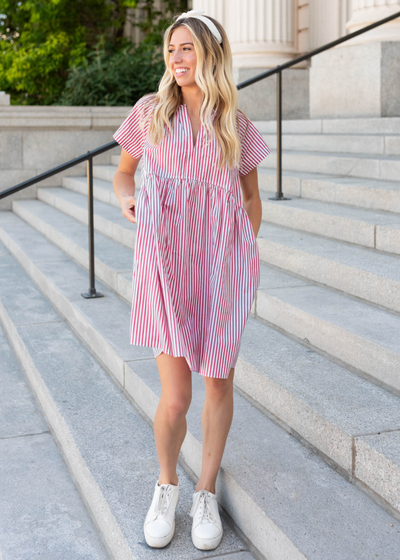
column 357, row 78
column 360, row 78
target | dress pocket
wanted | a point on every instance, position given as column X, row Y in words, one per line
column 248, row 231
column 138, row 202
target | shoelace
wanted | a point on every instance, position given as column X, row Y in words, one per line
column 203, row 507
column 164, row 499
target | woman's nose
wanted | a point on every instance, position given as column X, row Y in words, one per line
column 175, row 57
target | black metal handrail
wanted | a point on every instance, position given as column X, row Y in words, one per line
column 58, row 169
column 278, row 70
column 92, row 293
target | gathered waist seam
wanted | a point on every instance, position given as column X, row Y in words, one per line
column 175, row 178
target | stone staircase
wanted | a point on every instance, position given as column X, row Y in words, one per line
column 312, row 464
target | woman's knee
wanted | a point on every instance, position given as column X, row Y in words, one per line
column 176, row 386
column 176, row 406
column 219, row 388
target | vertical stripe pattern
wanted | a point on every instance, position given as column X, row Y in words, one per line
column 196, row 264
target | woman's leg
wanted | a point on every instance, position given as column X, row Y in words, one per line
column 170, row 419
column 216, row 420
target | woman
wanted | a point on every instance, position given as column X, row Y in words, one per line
column 196, row 264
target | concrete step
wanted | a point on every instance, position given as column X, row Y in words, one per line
column 40, row 508
column 378, row 351
column 107, row 172
column 367, row 228
column 113, row 261
column 363, row 193
column 107, row 445
column 302, row 509
column 358, row 125
column 108, row 219
column 379, row 230
column 362, row 272
column 102, row 190
column 375, row 144
column 383, row 167
column 341, row 414
column 377, row 355
column 368, row 274
column 355, row 334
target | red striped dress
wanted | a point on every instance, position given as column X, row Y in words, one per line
column 196, row 264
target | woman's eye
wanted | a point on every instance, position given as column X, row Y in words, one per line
column 184, row 48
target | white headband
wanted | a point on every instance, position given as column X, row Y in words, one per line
column 208, row 22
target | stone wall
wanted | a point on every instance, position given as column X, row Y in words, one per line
column 265, row 33
column 36, row 139
column 361, row 80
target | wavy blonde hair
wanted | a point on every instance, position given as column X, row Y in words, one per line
column 214, row 77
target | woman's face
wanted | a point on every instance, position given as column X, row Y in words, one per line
column 182, row 57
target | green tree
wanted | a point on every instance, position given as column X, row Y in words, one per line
column 121, row 76
column 44, row 42
column 41, row 40
column 155, row 21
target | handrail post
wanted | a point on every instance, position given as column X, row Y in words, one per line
column 92, row 293
column 279, row 193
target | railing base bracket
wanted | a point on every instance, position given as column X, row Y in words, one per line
column 276, row 197
column 89, row 295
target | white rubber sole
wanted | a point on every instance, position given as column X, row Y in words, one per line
column 206, row 544
column 155, row 542
column 159, row 542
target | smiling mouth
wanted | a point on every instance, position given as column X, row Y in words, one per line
column 181, row 73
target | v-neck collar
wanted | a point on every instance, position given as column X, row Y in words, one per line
column 199, row 132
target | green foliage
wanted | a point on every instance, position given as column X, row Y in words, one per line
column 119, row 78
column 42, row 39
column 155, row 22
column 43, row 43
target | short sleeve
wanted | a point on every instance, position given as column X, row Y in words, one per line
column 254, row 149
column 130, row 135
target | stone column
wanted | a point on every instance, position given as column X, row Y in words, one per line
column 263, row 34
column 326, row 21
column 365, row 12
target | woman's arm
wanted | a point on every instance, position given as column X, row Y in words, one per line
column 124, row 185
column 251, row 198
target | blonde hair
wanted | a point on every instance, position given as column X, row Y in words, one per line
column 214, row 77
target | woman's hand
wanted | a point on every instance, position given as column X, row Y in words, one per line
column 124, row 185
column 128, row 206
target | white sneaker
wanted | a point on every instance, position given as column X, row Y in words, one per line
column 159, row 525
column 207, row 527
